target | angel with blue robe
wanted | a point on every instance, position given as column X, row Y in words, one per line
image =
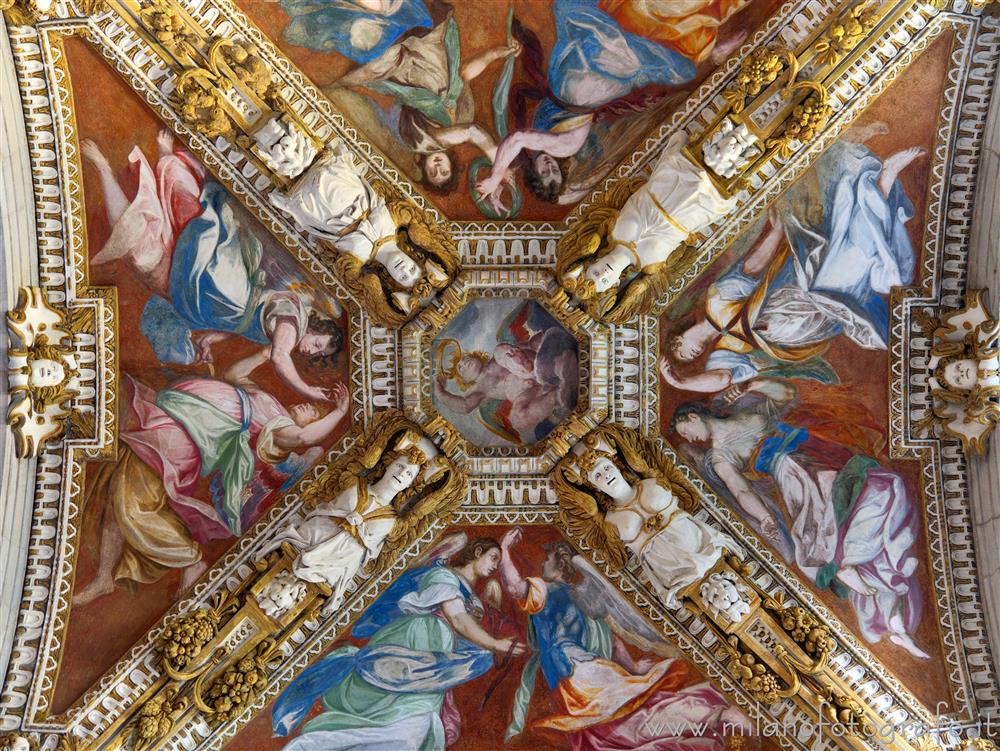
column 184, row 238
column 360, row 30
column 806, row 282
column 593, row 63
column 424, row 638
column 608, row 699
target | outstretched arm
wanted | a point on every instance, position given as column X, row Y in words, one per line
column 239, row 372
column 471, row 133
column 708, row 382
column 474, row 67
column 746, row 496
column 468, row 627
column 294, row 437
column 513, row 583
column 557, row 145
column 767, row 245
column 461, row 404
column 283, row 342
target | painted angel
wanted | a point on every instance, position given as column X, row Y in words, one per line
column 617, row 492
column 524, row 388
column 423, row 637
column 616, row 259
column 182, row 236
column 606, row 698
column 394, row 484
column 42, row 368
column 965, row 374
column 390, row 255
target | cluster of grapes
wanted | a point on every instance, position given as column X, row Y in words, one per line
column 808, row 118
column 805, row 629
column 155, row 719
column 183, row 639
column 849, row 32
column 758, row 70
column 169, row 29
column 235, row 689
column 756, row 678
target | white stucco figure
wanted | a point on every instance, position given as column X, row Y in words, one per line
column 284, row 148
column 724, row 594
column 281, row 594
column 731, row 148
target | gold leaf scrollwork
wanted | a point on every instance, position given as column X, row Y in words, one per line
column 846, row 711
column 238, row 686
column 198, row 100
column 157, row 716
column 754, row 676
column 169, row 29
column 182, row 640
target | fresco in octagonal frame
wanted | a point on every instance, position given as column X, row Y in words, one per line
column 505, row 372
column 507, row 109
column 521, row 644
column 233, row 374
column 775, row 376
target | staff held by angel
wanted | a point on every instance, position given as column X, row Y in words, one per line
column 386, row 492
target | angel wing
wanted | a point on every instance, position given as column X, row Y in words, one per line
column 445, row 548
column 600, row 600
column 368, row 290
column 438, row 504
column 646, row 459
column 583, row 519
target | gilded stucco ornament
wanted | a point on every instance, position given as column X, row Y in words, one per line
column 963, row 374
column 634, row 241
column 620, row 497
column 391, row 254
column 26, row 12
column 17, row 742
column 381, row 496
column 43, row 372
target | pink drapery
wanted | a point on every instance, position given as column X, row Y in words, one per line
column 163, row 444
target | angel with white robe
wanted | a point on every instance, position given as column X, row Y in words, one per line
column 633, row 238
column 608, row 699
column 374, row 511
column 651, row 515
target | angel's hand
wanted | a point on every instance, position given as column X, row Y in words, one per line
column 510, row 538
column 513, row 646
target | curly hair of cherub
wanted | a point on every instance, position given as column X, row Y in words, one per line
column 451, row 368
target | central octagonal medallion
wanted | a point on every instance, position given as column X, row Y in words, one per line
column 504, row 372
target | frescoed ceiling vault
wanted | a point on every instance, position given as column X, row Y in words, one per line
column 584, row 374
